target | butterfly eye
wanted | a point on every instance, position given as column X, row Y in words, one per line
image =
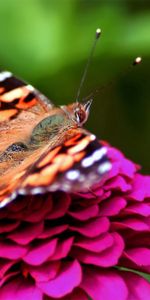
column 80, row 116
column 77, row 117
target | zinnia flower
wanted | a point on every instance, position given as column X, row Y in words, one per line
column 76, row 247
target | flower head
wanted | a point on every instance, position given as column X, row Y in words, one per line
column 62, row 246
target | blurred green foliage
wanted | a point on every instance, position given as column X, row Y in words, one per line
column 47, row 43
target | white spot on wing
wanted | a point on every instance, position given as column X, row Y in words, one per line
column 103, row 168
column 22, row 191
column 36, row 191
column 87, row 162
column 8, row 200
column 98, row 154
column 92, row 137
column 73, row 174
column 4, row 75
column 30, row 87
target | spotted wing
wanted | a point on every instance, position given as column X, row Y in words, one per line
column 16, row 95
column 74, row 165
column 21, row 107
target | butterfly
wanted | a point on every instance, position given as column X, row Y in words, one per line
column 44, row 147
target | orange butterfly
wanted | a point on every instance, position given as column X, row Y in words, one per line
column 44, row 147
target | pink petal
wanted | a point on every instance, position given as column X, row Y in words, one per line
column 88, row 195
column 85, row 213
column 25, row 234
column 112, row 206
column 17, row 205
column 118, row 183
column 68, row 278
column 147, row 186
column 142, row 209
column 5, row 265
column 136, row 239
column 136, row 224
column 77, row 294
column 45, row 272
column 8, row 276
column 60, row 205
column 115, row 154
column 98, row 191
column 11, row 250
column 62, row 249
column 97, row 244
column 127, row 168
column 122, row 166
column 107, row 258
column 39, row 214
column 104, row 285
column 138, row 287
column 141, row 188
column 114, row 170
column 132, row 223
column 40, row 253
column 20, row 290
column 52, row 231
column 105, row 195
column 92, row 228
column 8, row 226
column 140, row 256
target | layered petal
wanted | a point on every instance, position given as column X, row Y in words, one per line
column 80, row 246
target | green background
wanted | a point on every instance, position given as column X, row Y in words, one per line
column 47, row 43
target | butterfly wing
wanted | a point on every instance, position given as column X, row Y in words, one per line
column 16, row 95
column 74, row 165
column 21, row 107
column 70, row 162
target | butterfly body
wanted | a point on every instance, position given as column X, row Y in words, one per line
column 50, row 127
column 43, row 147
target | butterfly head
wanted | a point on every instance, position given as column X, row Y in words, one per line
column 78, row 112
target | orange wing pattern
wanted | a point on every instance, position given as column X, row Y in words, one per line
column 70, row 159
column 16, row 95
column 21, row 108
column 72, row 166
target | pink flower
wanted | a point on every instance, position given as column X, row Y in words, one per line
column 72, row 247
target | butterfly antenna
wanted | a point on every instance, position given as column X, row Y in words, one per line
column 97, row 35
column 136, row 62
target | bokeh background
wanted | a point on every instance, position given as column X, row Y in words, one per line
column 47, row 43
